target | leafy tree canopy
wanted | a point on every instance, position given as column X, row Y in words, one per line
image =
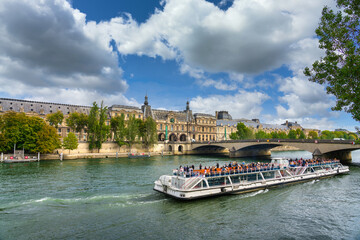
column 30, row 133
column 117, row 125
column 98, row 132
column 242, row 132
column 339, row 69
column 55, row 119
column 149, row 132
column 70, row 142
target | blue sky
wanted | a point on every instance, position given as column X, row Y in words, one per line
column 245, row 57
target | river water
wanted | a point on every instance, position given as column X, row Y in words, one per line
column 113, row 199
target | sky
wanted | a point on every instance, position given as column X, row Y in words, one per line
column 244, row 57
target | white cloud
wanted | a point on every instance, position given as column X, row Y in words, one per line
column 240, row 105
column 44, row 47
column 249, row 37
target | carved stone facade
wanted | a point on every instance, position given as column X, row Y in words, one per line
column 173, row 126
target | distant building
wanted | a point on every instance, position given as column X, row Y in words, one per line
column 342, row 130
column 223, row 115
column 171, row 125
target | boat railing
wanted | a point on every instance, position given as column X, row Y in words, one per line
column 220, row 172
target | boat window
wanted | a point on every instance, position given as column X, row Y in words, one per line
column 268, row 175
column 252, row 177
column 235, row 179
column 216, row 181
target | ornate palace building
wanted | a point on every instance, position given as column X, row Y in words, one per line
column 173, row 126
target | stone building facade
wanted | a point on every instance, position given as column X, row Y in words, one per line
column 172, row 126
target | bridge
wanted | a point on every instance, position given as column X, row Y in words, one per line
column 340, row 149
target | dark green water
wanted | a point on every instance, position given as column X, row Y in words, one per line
column 113, row 199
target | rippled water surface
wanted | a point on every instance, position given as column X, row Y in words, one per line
column 113, row 199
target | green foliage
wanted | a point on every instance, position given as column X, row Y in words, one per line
column 292, row 134
column 282, row 135
column 30, row 133
column 302, row 135
column 339, row 36
column 117, row 125
column 242, row 132
column 233, row 136
column 47, row 140
column 327, row 135
column 274, row 135
column 70, row 142
column 55, row 119
column 313, row 135
column 77, row 122
column 262, row 135
column 132, row 131
column 149, row 132
column 98, row 132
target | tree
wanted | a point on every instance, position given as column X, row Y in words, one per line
column 117, row 125
column 30, row 133
column 233, row 136
column 70, row 142
column 327, row 135
column 149, row 132
column 47, row 140
column 55, row 119
column 302, row 135
column 242, row 132
column 98, row 132
column 274, row 135
column 283, row 135
column 261, row 135
column 313, row 135
column 77, row 122
column 132, row 131
column 292, row 134
column 339, row 36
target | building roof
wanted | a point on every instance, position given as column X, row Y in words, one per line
column 41, row 108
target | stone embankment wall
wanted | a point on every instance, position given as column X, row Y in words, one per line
column 108, row 150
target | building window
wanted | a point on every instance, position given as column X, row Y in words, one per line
column 199, row 137
column 139, row 116
column 68, row 130
column 160, row 126
column 172, row 127
column 59, row 130
column 203, row 129
column 193, row 129
column 182, row 127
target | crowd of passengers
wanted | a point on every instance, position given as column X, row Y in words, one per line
column 234, row 167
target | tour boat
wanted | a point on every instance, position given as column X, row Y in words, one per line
column 243, row 178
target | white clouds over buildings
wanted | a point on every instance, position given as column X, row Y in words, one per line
column 50, row 49
column 44, row 48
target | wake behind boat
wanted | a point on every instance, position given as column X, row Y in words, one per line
column 186, row 183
